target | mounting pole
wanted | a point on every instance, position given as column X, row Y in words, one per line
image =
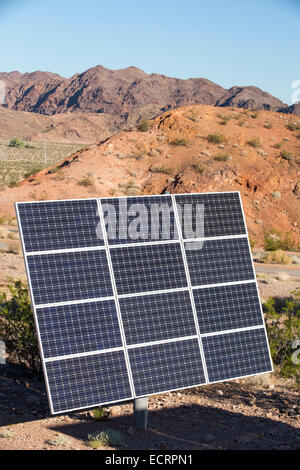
column 140, row 406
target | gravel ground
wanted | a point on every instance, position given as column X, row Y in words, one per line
column 256, row 413
column 271, row 287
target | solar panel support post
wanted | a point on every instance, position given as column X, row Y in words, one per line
column 140, row 406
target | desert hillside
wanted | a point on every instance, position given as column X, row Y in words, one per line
column 190, row 149
column 63, row 128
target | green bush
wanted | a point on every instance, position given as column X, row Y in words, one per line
column 100, row 414
column 15, row 143
column 275, row 240
column 283, row 326
column 17, row 328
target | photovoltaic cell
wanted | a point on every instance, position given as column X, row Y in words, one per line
column 148, row 268
column 166, row 366
column 236, row 354
column 222, row 214
column 60, row 225
column 78, row 328
column 227, row 307
column 85, row 381
column 157, row 317
column 219, row 261
column 139, row 219
column 63, row 277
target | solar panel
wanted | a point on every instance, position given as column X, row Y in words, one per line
column 141, row 295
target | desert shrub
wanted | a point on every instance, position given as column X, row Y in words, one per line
column 198, row 167
column 144, row 125
column 283, row 326
column 59, row 441
column 130, row 188
column 293, row 126
column 16, row 143
column 179, row 141
column 32, row 171
column 268, row 125
column 286, row 155
column 275, row 240
column 191, row 115
column 252, row 242
column 100, row 414
column 222, row 157
column 6, row 434
column 224, row 119
column 86, row 181
column 216, row 138
column 276, row 257
column 13, row 183
column 254, row 115
column 255, row 142
column 278, row 145
column 161, row 169
column 107, row 438
column 28, row 146
column 17, row 328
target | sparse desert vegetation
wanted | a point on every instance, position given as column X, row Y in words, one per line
column 18, row 161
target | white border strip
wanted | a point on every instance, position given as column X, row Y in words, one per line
column 153, row 343
column 114, row 287
column 128, row 245
column 66, row 250
column 141, row 294
column 124, row 197
column 83, row 354
column 187, row 273
column 74, row 302
column 234, row 330
column 161, row 341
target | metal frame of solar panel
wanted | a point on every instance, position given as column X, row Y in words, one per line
column 122, row 318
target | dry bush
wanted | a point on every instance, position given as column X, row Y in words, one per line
column 276, row 257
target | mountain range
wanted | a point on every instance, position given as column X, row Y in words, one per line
column 128, row 94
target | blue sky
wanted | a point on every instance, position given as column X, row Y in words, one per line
column 232, row 42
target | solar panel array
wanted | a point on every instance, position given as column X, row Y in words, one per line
column 155, row 295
